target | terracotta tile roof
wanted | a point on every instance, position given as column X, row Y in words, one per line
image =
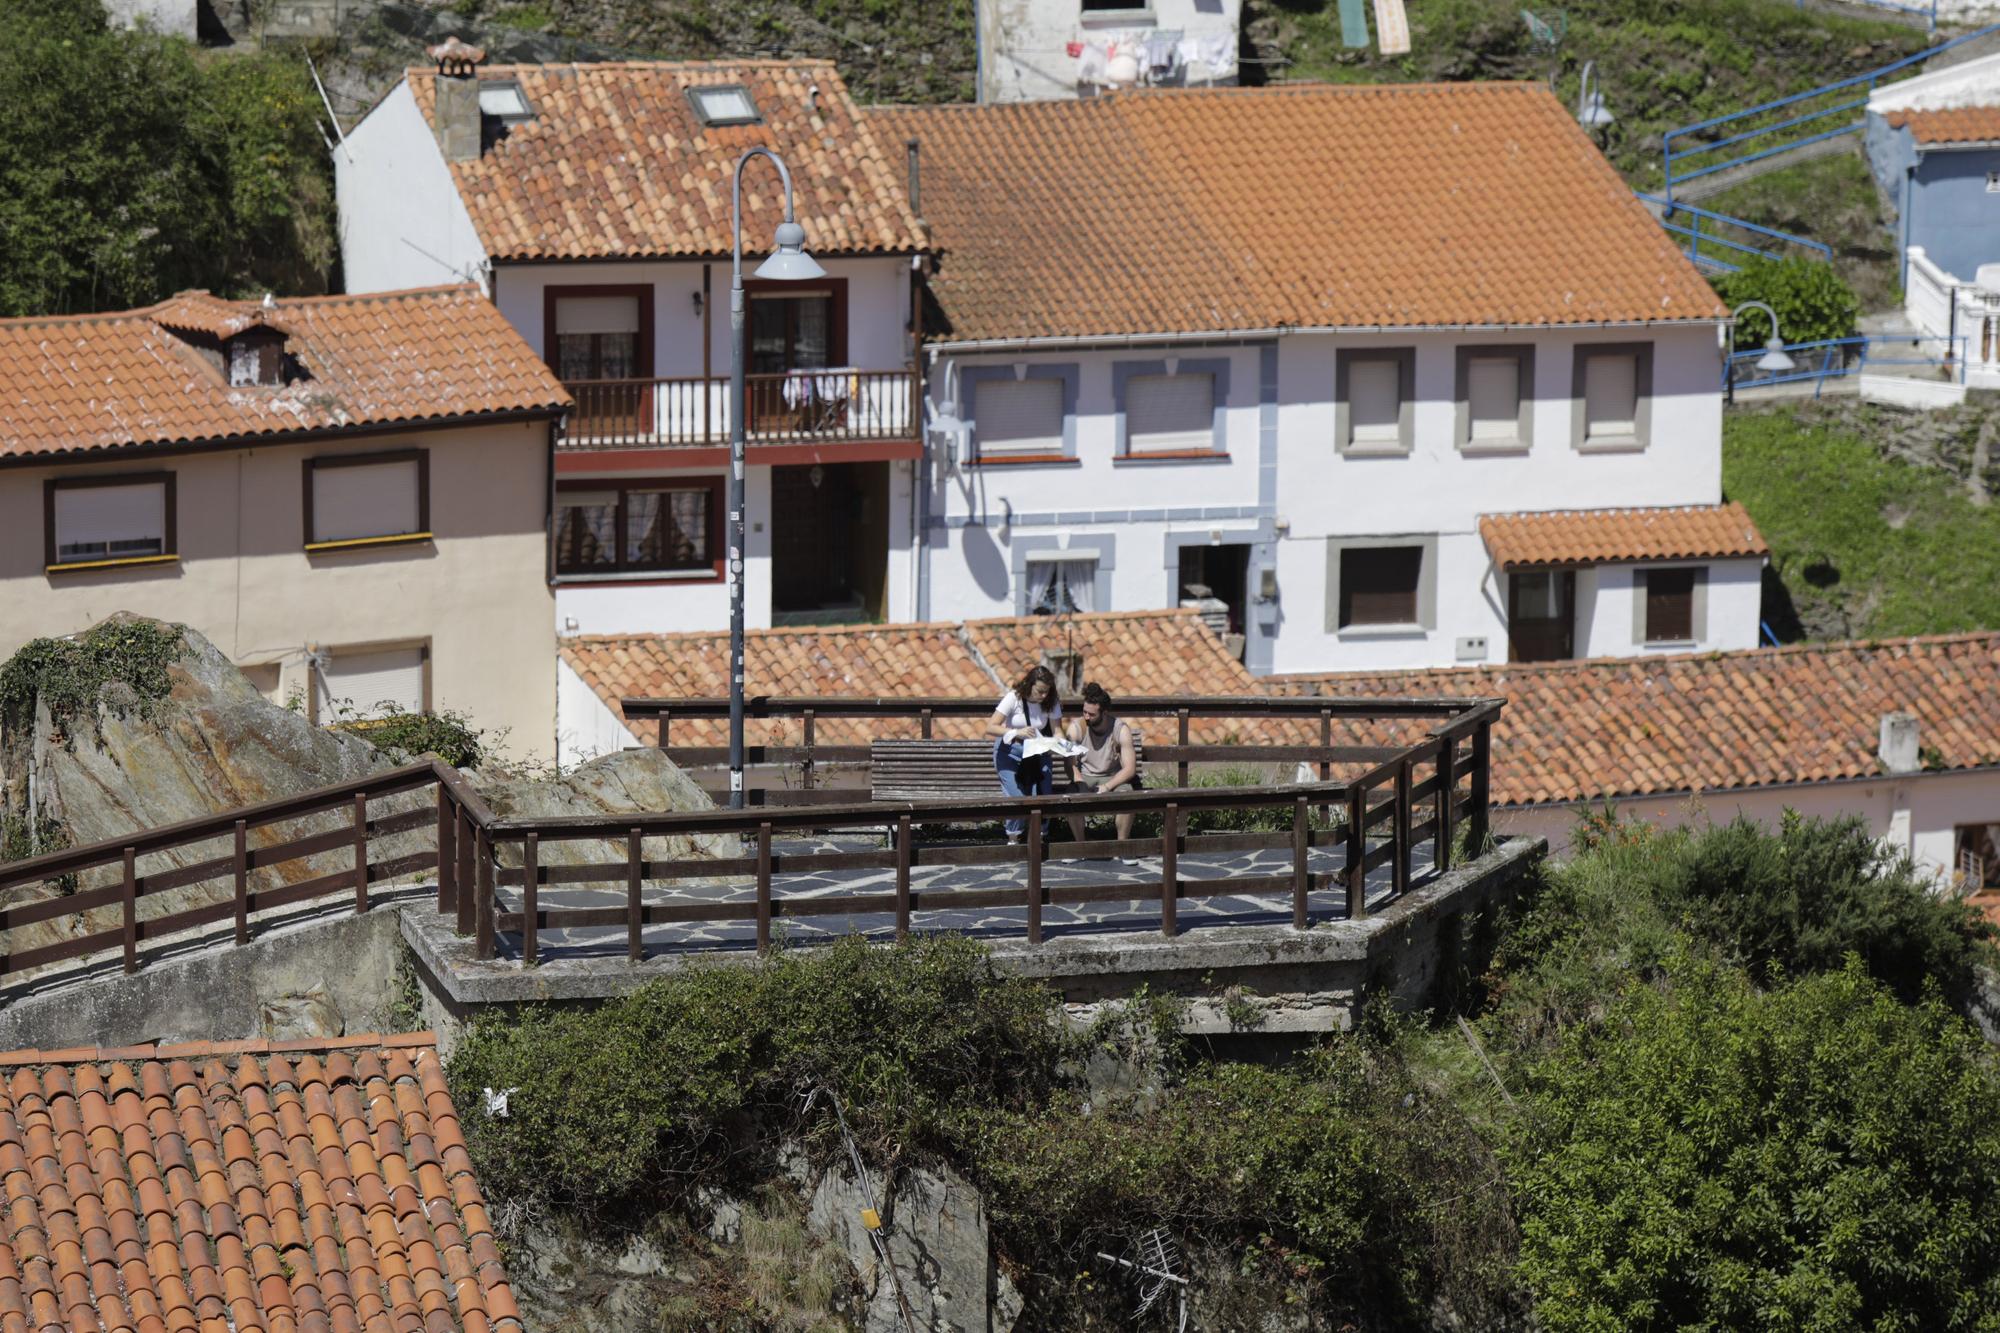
column 1965, row 124
column 1131, row 653
column 615, row 163
column 1305, row 205
column 1578, row 731
column 82, row 382
column 1621, row 536
column 322, row 1187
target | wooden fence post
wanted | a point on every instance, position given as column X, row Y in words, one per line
column 1447, row 802
column 1399, row 822
column 1482, row 789
column 1170, row 887
column 361, row 851
column 1034, row 876
column 531, row 871
column 1301, row 850
column 447, row 827
column 465, row 841
column 903, row 877
column 806, row 769
column 635, row 913
column 660, row 734
column 242, row 867
column 763, row 888
column 482, row 907
column 130, row 901
column 1357, row 852
column 1183, row 717
column 925, row 720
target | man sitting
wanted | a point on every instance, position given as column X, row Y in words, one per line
column 1109, row 762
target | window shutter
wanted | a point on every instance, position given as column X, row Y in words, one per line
column 597, row 314
column 1669, row 597
column 357, row 685
column 1170, row 412
column 1379, row 584
column 1375, row 400
column 1611, row 396
column 1493, row 387
column 1019, row 416
column 365, row 500
column 111, row 522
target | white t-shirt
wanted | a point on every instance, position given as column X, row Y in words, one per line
column 1030, row 716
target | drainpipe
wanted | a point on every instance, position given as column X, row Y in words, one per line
column 1909, row 203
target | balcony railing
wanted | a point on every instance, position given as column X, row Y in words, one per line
column 836, row 405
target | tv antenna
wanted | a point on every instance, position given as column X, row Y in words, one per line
column 1546, row 31
column 1155, row 1264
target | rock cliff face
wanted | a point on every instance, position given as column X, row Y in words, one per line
column 208, row 741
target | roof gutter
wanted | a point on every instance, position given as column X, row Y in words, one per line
column 1035, row 341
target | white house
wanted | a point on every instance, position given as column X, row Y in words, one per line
column 1034, row 50
column 1400, row 376
column 1904, row 733
column 593, row 203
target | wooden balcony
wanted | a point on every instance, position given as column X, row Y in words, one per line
column 839, row 406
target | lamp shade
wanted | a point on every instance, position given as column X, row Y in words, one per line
column 1775, row 358
column 790, row 262
column 1595, row 115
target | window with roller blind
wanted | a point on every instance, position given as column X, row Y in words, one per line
column 1373, row 389
column 369, row 682
column 96, row 522
column 1613, row 392
column 1495, row 397
column 1019, row 417
column 356, row 500
column 1170, row 414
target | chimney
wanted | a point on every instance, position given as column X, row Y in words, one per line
column 1898, row 748
column 457, row 98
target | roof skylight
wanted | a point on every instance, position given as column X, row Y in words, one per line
column 504, row 101
column 724, row 104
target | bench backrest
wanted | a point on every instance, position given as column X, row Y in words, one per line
column 918, row 770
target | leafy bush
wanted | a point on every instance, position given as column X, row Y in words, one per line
column 404, row 736
column 1815, row 1157
column 69, row 675
column 1811, row 300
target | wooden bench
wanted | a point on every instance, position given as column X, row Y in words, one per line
column 914, row 770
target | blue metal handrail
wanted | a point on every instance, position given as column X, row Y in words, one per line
column 1869, row 80
column 1834, row 361
column 1696, row 236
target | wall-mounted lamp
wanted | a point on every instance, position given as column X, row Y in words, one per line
column 697, row 305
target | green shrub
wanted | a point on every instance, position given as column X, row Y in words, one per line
column 68, row 675
column 404, row 737
column 1715, row 1157
column 1812, row 302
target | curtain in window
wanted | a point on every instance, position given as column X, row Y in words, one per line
column 1059, row 587
column 586, row 532
column 666, row 529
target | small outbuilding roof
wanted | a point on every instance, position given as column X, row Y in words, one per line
column 1577, row 537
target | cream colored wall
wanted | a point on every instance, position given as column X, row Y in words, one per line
column 478, row 592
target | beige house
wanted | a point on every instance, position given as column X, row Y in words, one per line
column 348, row 495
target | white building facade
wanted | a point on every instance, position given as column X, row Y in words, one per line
column 1034, row 50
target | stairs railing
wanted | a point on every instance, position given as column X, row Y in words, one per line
column 1813, row 116
column 1719, row 242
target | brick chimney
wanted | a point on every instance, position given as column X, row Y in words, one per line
column 1898, row 747
column 457, row 98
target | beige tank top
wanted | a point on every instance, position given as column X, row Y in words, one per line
column 1100, row 760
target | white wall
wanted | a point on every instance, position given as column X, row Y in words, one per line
column 402, row 223
column 1606, row 610
column 1916, row 814
column 1968, row 83
column 585, row 725
column 1022, row 43
column 176, row 18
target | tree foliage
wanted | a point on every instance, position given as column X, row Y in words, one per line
column 1713, row 1156
column 133, row 165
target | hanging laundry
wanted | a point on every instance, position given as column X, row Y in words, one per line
column 1392, row 27
column 1090, row 63
column 1353, row 24
column 1218, row 52
column 1162, row 56
column 1074, row 49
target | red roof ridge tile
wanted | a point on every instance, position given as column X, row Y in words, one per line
column 32, row 1057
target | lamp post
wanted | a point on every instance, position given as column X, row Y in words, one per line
column 1775, row 359
column 1591, row 113
column 788, row 263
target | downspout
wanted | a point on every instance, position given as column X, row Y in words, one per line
column 1909, row 203
column 920, row 474
column 707, row 341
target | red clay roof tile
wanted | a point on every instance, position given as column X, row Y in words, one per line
column 1621, row 536
column 106, row 381
column 1965, row 124
column 1307, row 205
column 615, row 163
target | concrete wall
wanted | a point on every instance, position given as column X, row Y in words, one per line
column 402, row 223
column 585, row 725
column 176, row 18
column 216, row 994
column 1917, row 814
column 1023, row 54
column 477, row 592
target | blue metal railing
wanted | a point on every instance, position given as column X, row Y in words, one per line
column 1850, row 112
column 1725, row 252
column 1835, row 358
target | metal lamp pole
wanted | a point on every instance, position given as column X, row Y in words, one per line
column 1776, row 359
column 789, row 263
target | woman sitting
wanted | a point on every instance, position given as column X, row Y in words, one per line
column 1029, row 709
column 1110, row 761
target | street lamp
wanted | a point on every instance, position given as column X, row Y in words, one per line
column 1591, row 113
column 1776, row 360
column 789, row 263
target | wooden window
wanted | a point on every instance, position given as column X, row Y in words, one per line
column 1373, row 388
column 1670, row 595
column 1170, row 413
column 599, row 331
column 637, row 527
column 368, row 682
column 93, row 522
column 1976, row 855
column 1541, row 616
column 1020, row 416
column 1379, row 585
column 367, row 499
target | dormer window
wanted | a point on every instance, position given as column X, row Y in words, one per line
column 256, row 358
column 724, row 104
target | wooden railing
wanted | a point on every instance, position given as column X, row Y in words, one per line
column 837, row 406
column 337, row 841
